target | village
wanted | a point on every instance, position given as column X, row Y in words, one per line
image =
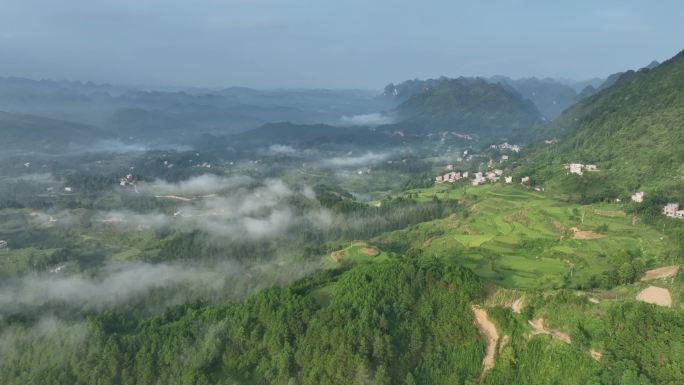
column 478, row 178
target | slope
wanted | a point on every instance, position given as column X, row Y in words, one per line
column 633, row 131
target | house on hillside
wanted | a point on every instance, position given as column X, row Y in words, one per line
column 3, row 244
column 479, row 179
column 672, row 210
column 575, row 168
column 525, row 180
column 508, row 179
column 638, row 197
column 439, row 179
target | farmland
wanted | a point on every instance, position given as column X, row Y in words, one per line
column 518, row 238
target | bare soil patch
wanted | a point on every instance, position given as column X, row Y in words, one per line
column 519, row 216
column 584, row 234
column 539, row 328
column 595, row 354
column 487, row 328
column 655, row 295
column 517, row 305
column 660, row 273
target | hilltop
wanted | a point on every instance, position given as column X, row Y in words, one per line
column 469, row 106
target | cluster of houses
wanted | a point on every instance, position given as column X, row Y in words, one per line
column 478, row 177
column 506, row 146
column 579, row 168
column 672, row 210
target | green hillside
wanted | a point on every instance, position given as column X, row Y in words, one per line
column 469, row 106
column 633, row 131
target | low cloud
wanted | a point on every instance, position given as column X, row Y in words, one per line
column 372, row 120
column 230, row 208
column 281, row 149
column 122, row 284
column 203, row 184
column 355, row 161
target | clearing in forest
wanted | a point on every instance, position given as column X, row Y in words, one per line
column 662, row 272
column 487, row 328
column 655, row 295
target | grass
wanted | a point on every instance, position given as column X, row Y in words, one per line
column 518, row 238
column 356, row 252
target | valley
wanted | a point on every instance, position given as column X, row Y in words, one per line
column 466, row 230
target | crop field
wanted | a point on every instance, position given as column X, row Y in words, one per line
column 518, row 238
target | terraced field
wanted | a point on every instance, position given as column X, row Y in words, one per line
column 519, row 238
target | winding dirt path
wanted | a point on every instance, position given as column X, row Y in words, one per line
column 539, row 328
column 486, row 328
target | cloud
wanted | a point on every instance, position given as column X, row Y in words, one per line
column 280, row 149
column 372, row 120
column 355, row 161
column 122, row 284
column 227, row 207
column 203, row 184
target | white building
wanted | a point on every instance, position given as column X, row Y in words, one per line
column 638, row 197
column 575, row 168
column 671, row 210
column 508, row 179
column 68, row 189
column 525, row 180
column 3, row 244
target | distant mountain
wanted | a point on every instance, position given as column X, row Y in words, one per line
column 467, row 105
column 550, row 96
column 170, row 115
column 407, row 89
column 32, row 134
column 633, row 131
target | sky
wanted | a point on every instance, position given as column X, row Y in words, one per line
column 363, row 44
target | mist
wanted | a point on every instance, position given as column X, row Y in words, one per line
column 125, row 284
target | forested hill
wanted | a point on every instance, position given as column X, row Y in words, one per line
column 633, row 131
column 28, row 133
column 469, row 106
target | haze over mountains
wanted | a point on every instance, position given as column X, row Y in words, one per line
column 430, row 234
